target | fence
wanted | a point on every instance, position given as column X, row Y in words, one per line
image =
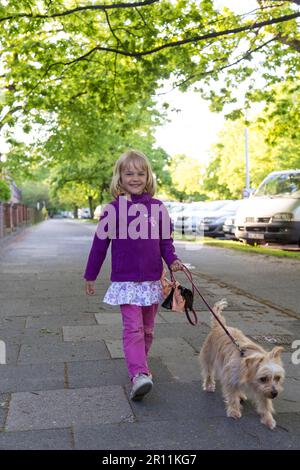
column 14, row 216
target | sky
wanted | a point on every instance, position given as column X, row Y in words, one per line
column 194, row 129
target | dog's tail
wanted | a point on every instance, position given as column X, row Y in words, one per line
column 218, row 308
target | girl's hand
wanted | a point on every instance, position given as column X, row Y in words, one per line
column 176, row 266
column 90, row 287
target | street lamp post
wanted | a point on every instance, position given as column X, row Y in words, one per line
column 247, row 160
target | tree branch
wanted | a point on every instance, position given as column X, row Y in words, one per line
column 79, row 9
column 291, row 42
column 246, row 55
column 112, row 30
column 215, row 34
column 9, row 113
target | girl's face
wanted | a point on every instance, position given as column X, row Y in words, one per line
column 133, row 179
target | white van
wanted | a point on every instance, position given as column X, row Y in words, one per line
column 272, row 213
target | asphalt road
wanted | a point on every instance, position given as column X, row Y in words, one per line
column 267, row 278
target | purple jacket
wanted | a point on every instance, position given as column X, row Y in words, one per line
column 137, row 259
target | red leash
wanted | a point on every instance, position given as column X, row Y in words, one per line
column 194, row 287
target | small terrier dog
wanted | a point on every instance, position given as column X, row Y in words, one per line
column 258, row 373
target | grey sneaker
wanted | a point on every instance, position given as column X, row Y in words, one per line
column 142, row 384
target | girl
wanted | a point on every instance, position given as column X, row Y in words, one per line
column 136, row 260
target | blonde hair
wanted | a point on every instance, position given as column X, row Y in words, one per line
column 139, row 160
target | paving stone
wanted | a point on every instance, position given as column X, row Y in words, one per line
column 58, row 439
column 42, row 335
column 291, row 370
column 260, row 328
column 64, row 408
column 10, row 334
column 187, row 401
column 196, row 341
column 173, row 317
column 182, row 369
column 109, row 332
column 64, row 352
column 289, row 400
column 55, row 321
column 185, row 330
column 216, row 433
column 12, row 322
column 12, row 353
column 4, row 401
column 108, row 319
column 17, row 308
column 115, row 319
column 31, row 377
column 110, row 372
column 181, row 401
column 91, row 333
column 43, row 308
column 164, row 347
column 156, row 435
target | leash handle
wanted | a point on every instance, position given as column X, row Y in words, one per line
column 193, row 321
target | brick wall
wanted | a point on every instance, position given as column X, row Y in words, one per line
column 13, row 216
column 1, row 221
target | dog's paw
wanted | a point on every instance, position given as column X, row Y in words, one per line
column 243, row 397
column 268, row 421
column 209, row 387
column 234, row 413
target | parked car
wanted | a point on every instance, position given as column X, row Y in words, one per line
column 189, row 217
column 191, row 220
column 272, row 213
column 229, row 225
column 213, row 221
column 176, row 210
column 67, row 214
column 84, row 213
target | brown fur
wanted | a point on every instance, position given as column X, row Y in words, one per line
column 259, row 373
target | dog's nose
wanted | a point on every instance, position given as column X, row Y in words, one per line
column 274, row 394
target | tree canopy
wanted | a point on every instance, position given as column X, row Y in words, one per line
column 85, row 73
column 58, row 51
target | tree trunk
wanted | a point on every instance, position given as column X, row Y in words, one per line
column 90, row 199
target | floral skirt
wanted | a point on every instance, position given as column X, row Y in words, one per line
column 137, row 293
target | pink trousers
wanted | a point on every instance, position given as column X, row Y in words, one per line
column 138, row 325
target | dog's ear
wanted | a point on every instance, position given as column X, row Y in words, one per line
column 275, row 353
column 252, row 362
column 249, row 367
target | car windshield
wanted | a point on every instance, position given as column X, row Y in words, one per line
column 214, row 205
column 197, row 207
column 232, row 206
column 280, row 185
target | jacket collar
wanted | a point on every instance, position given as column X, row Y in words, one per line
column 139, row 198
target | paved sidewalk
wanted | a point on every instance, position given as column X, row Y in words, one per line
column 65, row 384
